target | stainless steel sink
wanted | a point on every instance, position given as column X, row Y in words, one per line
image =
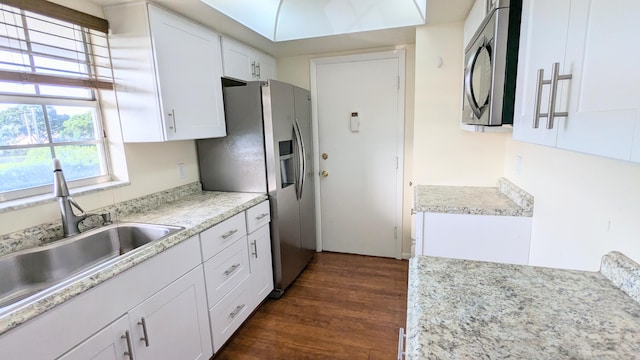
column 27, row 272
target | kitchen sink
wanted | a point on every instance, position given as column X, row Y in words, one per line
column 29, row 272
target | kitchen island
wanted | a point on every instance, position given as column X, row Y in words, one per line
column 462, row 309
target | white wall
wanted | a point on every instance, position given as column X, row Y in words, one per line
column 295, row 70
column 585, row 206
column 442, row 153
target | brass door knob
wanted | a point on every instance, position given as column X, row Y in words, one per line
column 324, row 173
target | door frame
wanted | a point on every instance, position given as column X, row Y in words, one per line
column 391, row 54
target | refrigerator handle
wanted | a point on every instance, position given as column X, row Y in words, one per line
column 298, row 159
column 302, row 153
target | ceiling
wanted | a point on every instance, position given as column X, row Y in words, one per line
column 437, row 11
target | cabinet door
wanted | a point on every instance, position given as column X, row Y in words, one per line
column 237, row 60
column 265, row 66
column 604, row 101
column 260, row 263
column 173, row 323
column 543, row 36
column 109, row 343
column 189, row 70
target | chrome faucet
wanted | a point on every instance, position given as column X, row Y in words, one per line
column 70, row 221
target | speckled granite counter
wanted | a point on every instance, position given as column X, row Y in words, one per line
column 460, row 309
column 506, row 199
column 195, row 211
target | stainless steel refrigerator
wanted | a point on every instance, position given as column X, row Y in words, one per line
column 268, row 149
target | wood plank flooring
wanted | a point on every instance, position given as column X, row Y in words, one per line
column 341, row 307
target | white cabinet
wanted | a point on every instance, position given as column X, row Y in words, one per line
column 111, row 343
column 167, row 289
column 261, row 263
column 503, row 239
column 245, row 63
column 237, row 269
column 173, row 324
column 588, row 40
column 168, row 73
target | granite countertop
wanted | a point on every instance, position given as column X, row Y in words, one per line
column 461, row 309
column 506, row 200
column 196, row 212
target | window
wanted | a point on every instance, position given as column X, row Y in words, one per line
column 52, row 72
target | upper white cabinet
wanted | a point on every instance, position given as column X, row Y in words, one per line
column 601, row 102
column 168, row 74
column 245, row 63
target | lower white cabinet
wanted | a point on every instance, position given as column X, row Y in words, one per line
column 260, row 263
column 503, row 239
column 111, row 343
column 173, row 324
column 239, row 277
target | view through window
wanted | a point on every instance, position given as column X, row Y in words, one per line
column 50, row 73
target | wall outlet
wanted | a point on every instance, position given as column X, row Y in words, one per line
column 181, row 172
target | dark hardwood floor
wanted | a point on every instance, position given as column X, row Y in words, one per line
column 341, row 307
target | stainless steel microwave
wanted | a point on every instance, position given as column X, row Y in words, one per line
column 491, row 60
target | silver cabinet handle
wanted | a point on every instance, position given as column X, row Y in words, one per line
column 235, row 312
column 539, row 83
column 255, row 249
column 253, row 68
column 553, row 93
column 230, row 270
column 229, row 233
column 401, row 337
column 262, row 216
column 129, row 351
column 145, row 336
column 258, row 70
column 172, row 115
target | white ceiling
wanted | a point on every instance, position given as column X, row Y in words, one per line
column 438, row 11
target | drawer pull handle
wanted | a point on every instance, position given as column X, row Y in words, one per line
column 230, row 270
column 235, row 312
column 262, row 216
column 145, row 338
column 255, row 249
column 127, row 337
column 401, row 337
column 229, row 233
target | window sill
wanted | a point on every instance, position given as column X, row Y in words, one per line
column 32, row 201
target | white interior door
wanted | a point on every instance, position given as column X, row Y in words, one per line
column 359, row 114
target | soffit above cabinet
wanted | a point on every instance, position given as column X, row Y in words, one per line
column 283, row 20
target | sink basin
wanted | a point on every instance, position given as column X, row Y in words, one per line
column 27, row 272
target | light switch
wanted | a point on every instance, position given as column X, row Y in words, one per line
column 355, row 122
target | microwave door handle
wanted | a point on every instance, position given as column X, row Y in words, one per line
column 468, row 90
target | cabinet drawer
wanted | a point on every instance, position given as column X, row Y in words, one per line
column 227, row 316
column 226, row 270
column 258, row 216
column 222, row 235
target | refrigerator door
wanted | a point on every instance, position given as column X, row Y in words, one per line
column 236, row 162
column 307, row 204
column 279, row 116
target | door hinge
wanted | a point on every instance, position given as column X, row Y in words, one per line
column 395, row 233
column 397, row 163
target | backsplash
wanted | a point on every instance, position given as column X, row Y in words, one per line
column 47, row 232
column 516, row 194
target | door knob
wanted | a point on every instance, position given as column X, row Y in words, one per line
column 324, row 173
